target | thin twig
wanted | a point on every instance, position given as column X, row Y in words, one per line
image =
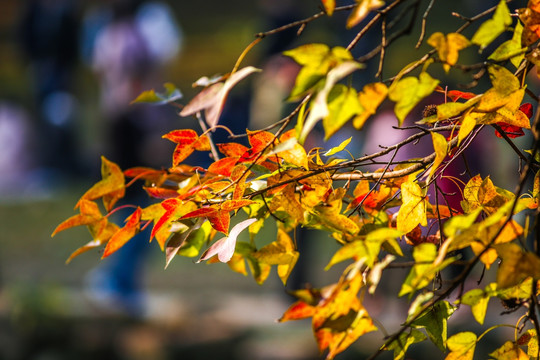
column 424, row 21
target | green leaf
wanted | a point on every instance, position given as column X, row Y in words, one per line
column 343, row 104
column 152, row 97
column 511, row 49
column 408, row 92
column 424, row 255
column 478, row 300
column 319, row 108
column 492, row 28
column 461, row 346
column 402, row 343
column 435, row 322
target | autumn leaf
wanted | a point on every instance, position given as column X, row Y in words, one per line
column 492, row 28
column 187, row 141
column 511, row 49
column 530, row 16
column 122, row 236
column 212, row 98
column 413, row 210
column 360, row 11
column 111, row 188
column 435, row 321
column 171, row 94
column 89, row 213
column 329, row 6
column 407, row 93
column 224, row 247
column 440, row 146
column 478, row 300
column 448, row 47
column 371, row 96
column 509, row 351
column 404, row 341
column 461, row 346
column 516, row 265
column 320, row 108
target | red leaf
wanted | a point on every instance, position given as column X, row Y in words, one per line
column 183, row 137
column 205, row 211
column 161, row 193
column 220, row 221
column 455, row 95
column 527, row 109
column 145, row 173
column 123, row 235
column 510, row 130
column 170, row 206
column 223, row 166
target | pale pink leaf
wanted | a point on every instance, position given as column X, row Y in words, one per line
column 224, row 247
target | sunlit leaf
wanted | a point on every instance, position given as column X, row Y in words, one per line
column 516, row 265
column 212, row 99
column 408, row 92
column 343, row 104
column 151, row 96
column 478, row 300
column 440, row 145
column 187, row 141
column 319, row 109
column 338, row 148
column 448, row 47
column 461, row 346
column 122, row 236
column 468, row 123
column 492, row 28
column 89, row 213
column 511, row 49
column 413, row 210
column 509, row 351
column 402, row 343
column 111, row 188
column 224, row 247
column 329, row 6
column 360, row 11
column 371, row 96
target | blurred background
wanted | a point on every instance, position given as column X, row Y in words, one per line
column 68, row 70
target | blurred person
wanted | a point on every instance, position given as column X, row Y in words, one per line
column 131, row 41
column 48, row 32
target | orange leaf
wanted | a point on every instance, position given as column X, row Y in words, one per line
column 259, row 140
column 220, row 221
column 145, row 173
column 223, row 166
column 122, row 236
column 170, row 206
column 112, row 184
column 232, row 149
column 161, row 193
column 182, row 137
column 89, row 213
column 297, row 311
column 230, row 205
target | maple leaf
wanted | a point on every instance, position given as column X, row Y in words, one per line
column 122, row 236
column 187, row 141
column 360, row 11
column 111, row 187
column 513, row 131
column 212, row 98
column 224, row 247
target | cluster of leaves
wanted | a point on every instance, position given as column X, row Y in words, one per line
column 377, row 217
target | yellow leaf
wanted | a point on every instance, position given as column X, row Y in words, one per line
column 516, row 265
column 509, row 351
column 360, row 11
column 371, row 96
column 329, row 6
column 448, row 47
column 493, row 27
column 408, row 92
column 413, row 211
column 467, row 125
column 461, row 346
column 440, row 145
